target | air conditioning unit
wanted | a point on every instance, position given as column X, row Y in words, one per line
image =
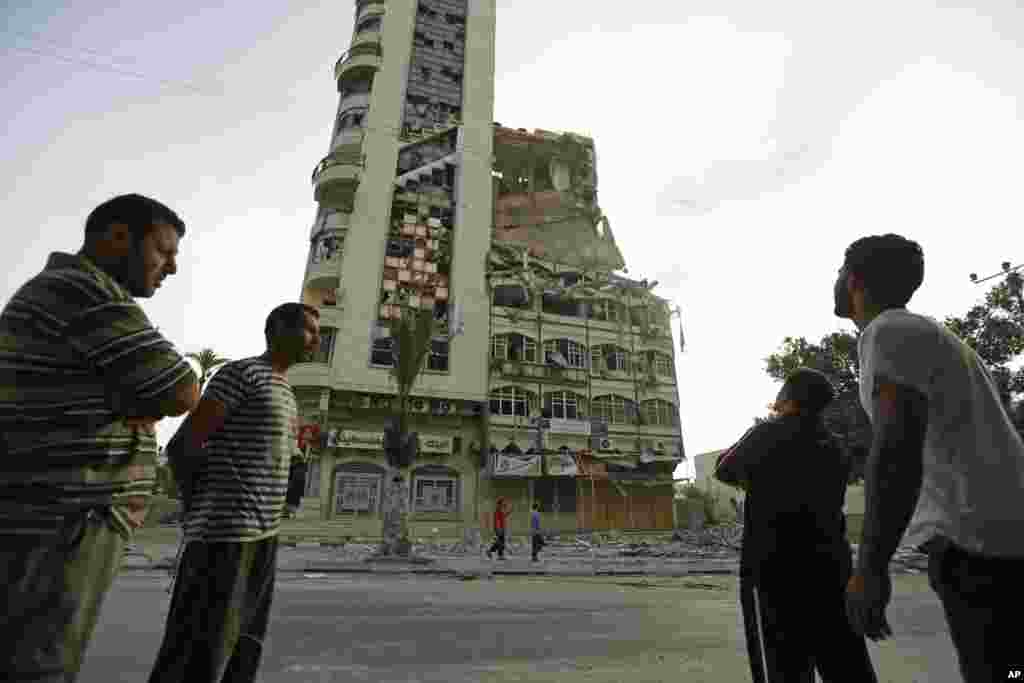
column 442, row 407
column 434, row 222
column 382, row 402
column 419, row 405
column 659, row 447
column 605, row 444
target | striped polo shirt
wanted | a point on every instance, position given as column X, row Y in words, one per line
column 242, row 480
column 72, row 341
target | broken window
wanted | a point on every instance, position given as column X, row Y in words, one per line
column 610, row 357
column 325, row 351
column 573, row 353
column 425, row 74
column 449, row 45
column 369, row 24
column 556, row 305
column 438, row 358
column 455, row 19
column 381, row 353
column 400, row 248
column 421, row 39
column 512, row 296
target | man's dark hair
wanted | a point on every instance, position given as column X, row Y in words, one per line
column 891, row 266
column 287, row 317
column 809, row 388
column 139, row 213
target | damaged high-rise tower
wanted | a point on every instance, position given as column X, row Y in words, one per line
column 562, row 386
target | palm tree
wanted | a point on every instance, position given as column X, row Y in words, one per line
column 209, row 360
column 411, row 338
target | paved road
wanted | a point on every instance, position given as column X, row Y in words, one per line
column 393, row 629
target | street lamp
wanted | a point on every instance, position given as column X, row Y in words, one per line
column 1013, row 279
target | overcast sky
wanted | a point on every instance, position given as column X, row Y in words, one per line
column 741, row 147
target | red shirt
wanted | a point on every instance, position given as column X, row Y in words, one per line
column 499, row 519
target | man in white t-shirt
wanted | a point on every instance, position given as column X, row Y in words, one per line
column 946, row 466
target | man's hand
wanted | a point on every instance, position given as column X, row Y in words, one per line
column 867, row 596
column 135, row 510
column 146, row 424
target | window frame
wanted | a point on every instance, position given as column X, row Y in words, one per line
column 574, row 349
column 513, row 396
column 612, row 406
column 433, row 354
column 417, row 498
column 564, row 399
column 374, row 501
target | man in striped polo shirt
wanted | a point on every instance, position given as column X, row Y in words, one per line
column 83, row 378
column 239, row 444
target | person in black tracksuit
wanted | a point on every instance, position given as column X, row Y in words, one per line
column 796, row 560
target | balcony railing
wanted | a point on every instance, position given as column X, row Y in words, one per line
column 540, row 372
column 365, row 48
column 339, row 158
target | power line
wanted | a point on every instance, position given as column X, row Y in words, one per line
column 111, row 69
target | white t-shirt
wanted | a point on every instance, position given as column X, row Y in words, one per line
column 973, row 485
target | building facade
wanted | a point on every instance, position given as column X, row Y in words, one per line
column 561, row 386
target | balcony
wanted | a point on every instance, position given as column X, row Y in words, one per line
column 325, row 261
column 310, row 375
column 360, row 62
column 538, row 372
column 365, row 8
column 336, row 178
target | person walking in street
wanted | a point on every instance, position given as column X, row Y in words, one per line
column 240, row 441
column 536, row 536
column 946, row 467
column 84, row 376
column 296, row 486
column 796, row 559
column 501, row 512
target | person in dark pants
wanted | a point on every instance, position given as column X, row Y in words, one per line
column 501, row 512
column 536, row 535
column 946, row 467
column 796, row 559
column 296, row 486
column 240, row 440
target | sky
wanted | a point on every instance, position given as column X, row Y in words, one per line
column 741, row 145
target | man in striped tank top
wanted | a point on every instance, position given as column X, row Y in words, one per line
column 84, row 376
column 239, row 443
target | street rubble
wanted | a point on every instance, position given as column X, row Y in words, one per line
column 717, row 544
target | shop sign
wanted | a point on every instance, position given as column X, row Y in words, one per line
column 374, row 441
column 432, row 443
column 561, row 464
column 517, row 464
column 570, row 427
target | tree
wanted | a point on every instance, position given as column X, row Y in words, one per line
column 411, row 338
column 835, row 356
column 208, row 360
column 994, row 329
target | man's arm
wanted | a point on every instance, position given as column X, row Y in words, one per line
column 735, row 467
column 181, row 398
column 206, row 421
column 893, row 472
